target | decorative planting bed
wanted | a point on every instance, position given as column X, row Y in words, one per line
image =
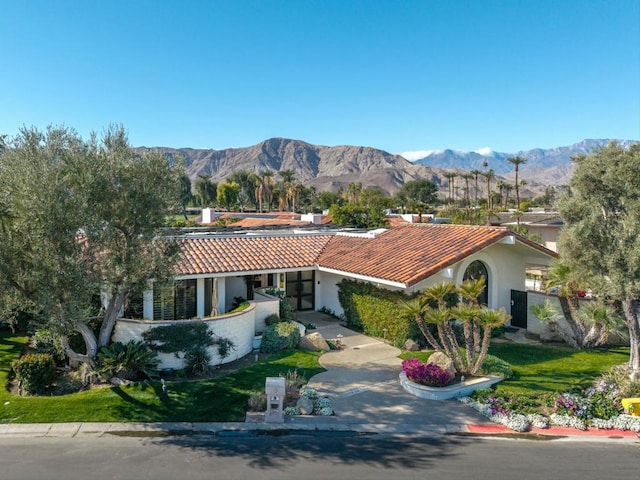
column 455, row 390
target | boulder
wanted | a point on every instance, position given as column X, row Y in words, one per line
column 411, row 345
column 314, row 342
column 442, row 361
column 305, row 406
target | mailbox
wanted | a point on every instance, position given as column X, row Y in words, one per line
column 275, row 391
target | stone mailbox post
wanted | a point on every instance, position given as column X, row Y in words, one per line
column 275, row 390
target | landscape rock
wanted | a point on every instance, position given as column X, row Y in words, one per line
column 313, row 342
column 442, row 361
column 411, row 345
column 305, row 406
column 551, row 335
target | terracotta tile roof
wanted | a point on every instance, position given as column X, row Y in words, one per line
column 409, row 253
column 249, row 253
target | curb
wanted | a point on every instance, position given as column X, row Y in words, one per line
column 230, row 429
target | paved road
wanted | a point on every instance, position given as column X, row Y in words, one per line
column 315, row 456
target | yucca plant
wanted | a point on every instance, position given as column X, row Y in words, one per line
column 129, row 361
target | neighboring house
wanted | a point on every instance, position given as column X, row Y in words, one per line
column 546, row 225
column 309, row 265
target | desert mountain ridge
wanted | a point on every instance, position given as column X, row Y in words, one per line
column 329, row 168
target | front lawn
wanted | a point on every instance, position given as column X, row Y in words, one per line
column 539, row 369
column 221, row 399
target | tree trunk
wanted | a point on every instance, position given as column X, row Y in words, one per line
column 111, row 315
column 632, row 318
column 90, row 342
column 570, row 315
column 486, row 340
column 428, row 335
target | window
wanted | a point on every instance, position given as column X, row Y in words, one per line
column 175, row 301
column 475, row 271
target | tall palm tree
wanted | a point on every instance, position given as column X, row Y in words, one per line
column 466, row 177
column 507, row 190
column 475, row 174
column 500, row 185
column 450, row 176
column 516, row 162
column 489, row 175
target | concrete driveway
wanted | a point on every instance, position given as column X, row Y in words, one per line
column 362, row 382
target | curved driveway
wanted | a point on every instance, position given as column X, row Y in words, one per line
column 362, row 382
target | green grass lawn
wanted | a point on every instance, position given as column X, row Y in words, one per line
column 540, row 369
column 220, row 399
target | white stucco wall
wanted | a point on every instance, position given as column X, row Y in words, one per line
column 327, row 291
column 265, row 305
column 234, row 287
column 238, row 327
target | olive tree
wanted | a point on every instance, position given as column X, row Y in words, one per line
column 79, row 218
column 601, row 234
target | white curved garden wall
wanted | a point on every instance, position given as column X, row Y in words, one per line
column 237, row 327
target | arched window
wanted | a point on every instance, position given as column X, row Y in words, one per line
column 475, row 271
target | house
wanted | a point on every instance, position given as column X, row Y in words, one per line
column 545, row 225
column 217, row 269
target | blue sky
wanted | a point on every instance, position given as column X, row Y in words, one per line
column 396, row 75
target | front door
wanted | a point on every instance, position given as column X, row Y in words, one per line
column 300, row 289
column 518, row 309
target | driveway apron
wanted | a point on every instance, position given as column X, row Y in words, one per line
column 362, row 382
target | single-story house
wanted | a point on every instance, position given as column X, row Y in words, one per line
column 215, row 271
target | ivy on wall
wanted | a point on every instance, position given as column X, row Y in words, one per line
column 376, row 311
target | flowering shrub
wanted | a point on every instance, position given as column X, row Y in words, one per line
column 598, row 407
column 292, row 411
column 568, row 421
column 601, row 401
column 426, row 373
column 309, row 392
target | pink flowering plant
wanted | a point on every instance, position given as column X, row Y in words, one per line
column 427, row 374
column 600, row 401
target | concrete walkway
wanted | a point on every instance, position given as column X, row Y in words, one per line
column 362, row 382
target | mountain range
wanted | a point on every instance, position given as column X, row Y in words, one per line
column 550, row 166
column 329, row 168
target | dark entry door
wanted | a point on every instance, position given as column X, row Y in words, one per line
column 300, row 289
column 518, row 309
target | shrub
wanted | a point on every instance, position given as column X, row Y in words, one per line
column 376, row 311
column 496, row 366
column 130, row 361
column 272, row 319
column 196, row 361
column 257, row 402
column 427, row 374
column 281, row 336
column 43, row 341
column 287, row 311
column 35, row 371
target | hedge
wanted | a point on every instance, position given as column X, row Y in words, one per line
column 374, row 310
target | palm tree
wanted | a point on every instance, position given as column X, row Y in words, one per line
column 476, row 173
column 466, row 177
column 507, row 189
column 500, row 184
column 516, row 162
column 489, row 174
column 451, row 177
